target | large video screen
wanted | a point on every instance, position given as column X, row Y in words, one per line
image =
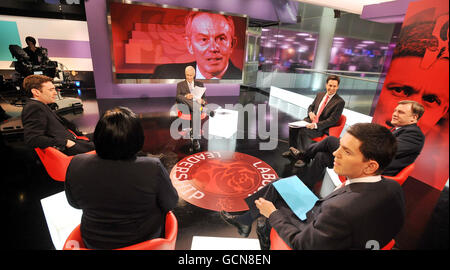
column 158, row 43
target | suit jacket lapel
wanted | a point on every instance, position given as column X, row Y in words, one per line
column 335, row 193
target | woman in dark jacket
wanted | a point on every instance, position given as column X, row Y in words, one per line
column 124, row 197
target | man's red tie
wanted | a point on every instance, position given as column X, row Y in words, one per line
column 321, row 109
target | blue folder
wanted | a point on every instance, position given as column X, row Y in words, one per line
column 297, row 196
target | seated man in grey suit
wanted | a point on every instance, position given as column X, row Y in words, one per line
column 366, row 208
column 210, row 39
column 410, row 141
column 185, row 97
column 42, row 127
column 323, row 113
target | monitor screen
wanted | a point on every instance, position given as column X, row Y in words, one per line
column 152, row 43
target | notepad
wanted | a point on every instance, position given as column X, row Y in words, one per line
column 296, row 195
column 198, row 92
column 298, row 124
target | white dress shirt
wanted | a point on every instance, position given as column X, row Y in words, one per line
column 320, row 105
column 367, row 179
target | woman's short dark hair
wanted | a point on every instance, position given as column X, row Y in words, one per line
column 377, row 143
column 118, row 134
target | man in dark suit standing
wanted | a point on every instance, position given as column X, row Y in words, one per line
column 410, row 141
column 211, row 39
column 364, row 209
column 42, row 126
column 323, row 113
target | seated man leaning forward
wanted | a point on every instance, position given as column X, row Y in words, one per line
column 42, row 127
column 410, row 141
column 366, row 208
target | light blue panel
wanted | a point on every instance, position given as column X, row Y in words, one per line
column 9, row 35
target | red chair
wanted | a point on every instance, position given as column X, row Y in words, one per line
column 276, row 243
column 55, row 162
column 75, row 242
column 389, row 245
column 403, row 174
column 188, row 116
column 335, row 130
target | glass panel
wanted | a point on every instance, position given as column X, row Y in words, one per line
column 288, row 55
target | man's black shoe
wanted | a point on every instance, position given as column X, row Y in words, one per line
column 286, row 154
column 300, row 164
column 196, row 145
column 263, row 232
column 243, row 230
column 212, row 113
column 295, row 153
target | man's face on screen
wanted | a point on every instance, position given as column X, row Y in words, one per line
column 211, row 42
column 406, row 80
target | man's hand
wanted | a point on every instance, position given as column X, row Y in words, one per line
column 188, row 96
column 311, row 126
column 200, row 101
column 312, row 116
column 266, row 208
column 69, row 143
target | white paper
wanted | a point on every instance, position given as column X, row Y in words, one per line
column 298, row 124
column 198, row 92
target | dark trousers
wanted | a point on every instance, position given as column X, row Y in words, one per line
column 300, row 138
column 81, row 146
column 270, row 193
column 321, row 156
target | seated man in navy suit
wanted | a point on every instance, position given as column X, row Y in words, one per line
column 410, row 141
column 365, row 208
column 323, row 113
column 210, row 39
column 42, row 127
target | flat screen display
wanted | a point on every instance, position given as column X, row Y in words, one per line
column 158, row 43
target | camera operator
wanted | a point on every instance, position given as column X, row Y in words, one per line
column 38, row 55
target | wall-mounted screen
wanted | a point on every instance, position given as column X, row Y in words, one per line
column 153, row 43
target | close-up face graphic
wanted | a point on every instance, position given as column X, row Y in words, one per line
column 406, row 80
column 211, row 41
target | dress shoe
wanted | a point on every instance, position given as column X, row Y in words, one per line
column 263, row 233
column 196, row 145
column 243, row 230
column 286, row 154
column 299, row 163
column 295, row 153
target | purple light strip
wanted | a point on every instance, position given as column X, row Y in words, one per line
column 66, row 48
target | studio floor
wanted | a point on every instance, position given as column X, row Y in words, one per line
column 25, row 181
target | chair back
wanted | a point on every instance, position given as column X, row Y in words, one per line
column 55, row 162
column 389, row 245
column 403, row 174
column 334, row 130
column 276, row 243
column 183, row 116
column 75, row 241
